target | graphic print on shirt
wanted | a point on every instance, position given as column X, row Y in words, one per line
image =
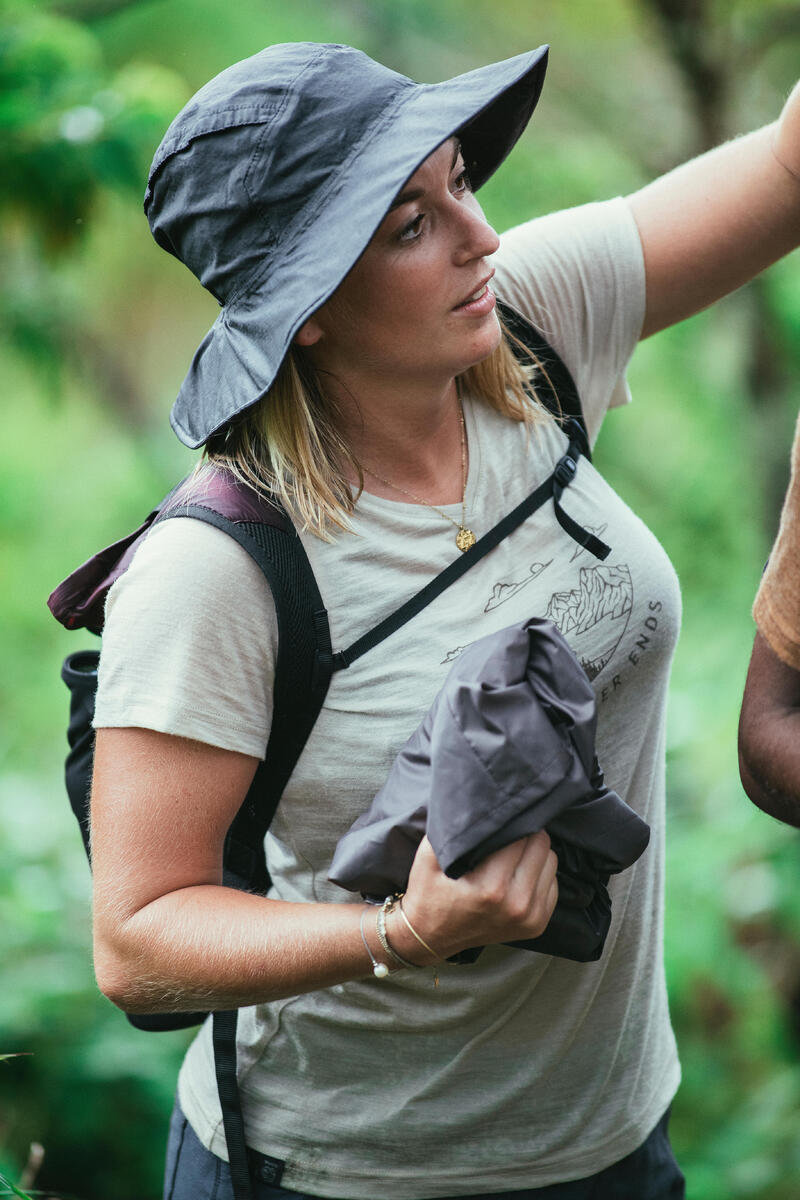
column 594, row 616
column 505, row 590
column 452, row 655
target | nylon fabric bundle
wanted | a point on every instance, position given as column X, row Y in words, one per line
column 506, row 750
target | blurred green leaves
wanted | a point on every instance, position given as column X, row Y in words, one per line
column 93, row 313
column 70, row 125
column 71, row 129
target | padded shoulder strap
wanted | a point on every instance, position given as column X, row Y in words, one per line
column 555, row 386
column 302, row 674
column 302, row 668
column 79, row 602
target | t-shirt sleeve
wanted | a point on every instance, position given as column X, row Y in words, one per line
column 190, row 641
column 777, row 604
column 578, row 276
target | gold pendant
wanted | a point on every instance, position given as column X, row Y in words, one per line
column 465, row 538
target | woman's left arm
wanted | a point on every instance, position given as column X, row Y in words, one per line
column 715, row 222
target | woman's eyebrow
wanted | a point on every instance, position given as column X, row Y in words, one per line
column 406, row 197
column 414, row 193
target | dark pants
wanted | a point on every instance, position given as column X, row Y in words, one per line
column 649, row 1173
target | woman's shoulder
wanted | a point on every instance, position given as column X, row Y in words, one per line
column 191, row 558
column 189, row 571
column 572, row 256
column 190, row 640
column 573, row 232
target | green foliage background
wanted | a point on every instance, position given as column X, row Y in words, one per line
column 96, row 329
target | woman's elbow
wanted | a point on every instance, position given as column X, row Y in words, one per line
column 123, row 978
column 116, row 976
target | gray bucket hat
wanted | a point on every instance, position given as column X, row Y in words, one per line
column 271, row 181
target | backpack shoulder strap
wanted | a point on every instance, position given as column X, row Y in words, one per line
column 555, row 387
column 302, row 674
column 304, row 663
column 303, row 666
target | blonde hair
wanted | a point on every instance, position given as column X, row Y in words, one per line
column 289, row 443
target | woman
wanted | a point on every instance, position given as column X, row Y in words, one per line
column 325, row 202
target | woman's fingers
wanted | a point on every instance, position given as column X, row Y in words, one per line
column 527, row 878
column 507, row 897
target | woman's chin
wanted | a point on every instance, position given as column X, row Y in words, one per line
column 484, row 343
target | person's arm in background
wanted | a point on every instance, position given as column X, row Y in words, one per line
column 769, row 725
column 769, row 734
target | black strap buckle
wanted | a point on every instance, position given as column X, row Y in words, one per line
column 564, row 472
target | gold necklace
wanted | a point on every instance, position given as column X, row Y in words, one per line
column 465, row 538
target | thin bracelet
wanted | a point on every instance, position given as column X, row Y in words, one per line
column 383, row 938
column 397, row 902
column 379, row 969
column 411, row 928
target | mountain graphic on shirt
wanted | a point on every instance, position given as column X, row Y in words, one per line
column 594, row 616
column 452, row 655
column 504, row 591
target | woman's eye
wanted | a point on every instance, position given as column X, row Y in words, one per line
column 462, row 183
column 414, row 228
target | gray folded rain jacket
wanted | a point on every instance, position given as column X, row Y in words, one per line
column 505, row 750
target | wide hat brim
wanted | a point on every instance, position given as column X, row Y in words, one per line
column 238, row 359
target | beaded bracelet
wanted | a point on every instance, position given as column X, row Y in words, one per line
column 379, row 969
column 385, row 908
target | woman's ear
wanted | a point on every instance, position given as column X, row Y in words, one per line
column 308, row 334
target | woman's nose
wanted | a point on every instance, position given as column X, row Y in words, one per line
column 478, row 239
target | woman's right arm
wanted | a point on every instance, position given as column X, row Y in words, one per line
column 169, row 936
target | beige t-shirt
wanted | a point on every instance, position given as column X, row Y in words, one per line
column 523, row 1069
column 777, row 603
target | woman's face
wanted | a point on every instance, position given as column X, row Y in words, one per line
column 417, row 305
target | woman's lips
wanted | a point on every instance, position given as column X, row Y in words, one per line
column 479, row 304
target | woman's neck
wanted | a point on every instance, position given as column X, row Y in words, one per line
column 411, row 443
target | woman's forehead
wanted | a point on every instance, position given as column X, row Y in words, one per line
column 442, row 159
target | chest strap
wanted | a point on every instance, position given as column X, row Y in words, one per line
column 562, row 476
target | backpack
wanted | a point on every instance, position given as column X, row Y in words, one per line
column 303, row 670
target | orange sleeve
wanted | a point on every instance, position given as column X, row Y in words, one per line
column 777, row 604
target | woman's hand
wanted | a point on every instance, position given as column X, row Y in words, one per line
column 509, row 896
